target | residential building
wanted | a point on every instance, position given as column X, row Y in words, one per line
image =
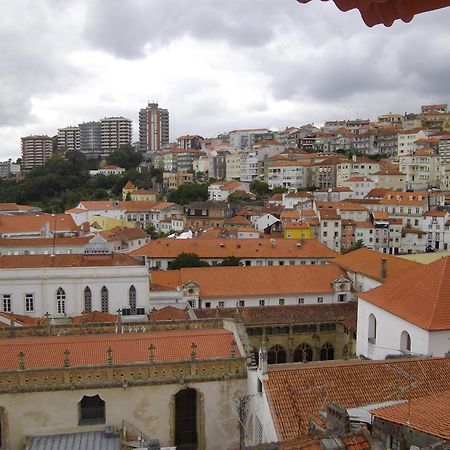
column 109, row 169
column 173, row 180
column 228, row 287
column 407, row 206
column 9, row 169
column 358, row 166
column 116, row 131
column 408, row 315
column 435, row 224
column 252, row 252
column 188, row 141
column 207, row 214
column 233, row 166
column 421, row 169
column 288, row 174
column 69, row 139
column 360, row 186
column 406, row 140
column 221, row 190
column 389, row 177
column 36, row 150
column 247, row 137
column 153, row 128
column 91, row 139
column 138, row 194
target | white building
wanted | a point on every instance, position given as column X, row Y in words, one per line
column 116, row 131
column 66, row 285
column 288, row 174
column 408, row 315
column 360, row 186
column 220, row 190
column 69, row 138
column 421, row 169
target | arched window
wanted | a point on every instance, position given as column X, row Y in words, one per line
column 60, row 301
column 132, row 299
column 276, row 355
column 91, row 410
column 405, row 342
column 303, row 353
column 105, row 300
column 87, row 299
column 327, row 352
column 372, row 336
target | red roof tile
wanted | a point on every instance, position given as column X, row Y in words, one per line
column 428, row 286
column 296, row 392
column 43, row 352
column 429, row 414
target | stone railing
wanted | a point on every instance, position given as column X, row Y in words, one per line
column 122, row 375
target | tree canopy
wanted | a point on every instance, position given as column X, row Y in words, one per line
column 125, row 156
column 189, row 192
column 187, row 260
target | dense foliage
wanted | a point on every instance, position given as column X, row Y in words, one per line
column 63, row 181
column 189, row 192
column 187, row 260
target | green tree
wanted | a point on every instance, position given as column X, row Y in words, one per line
column 125, row 156
column 151, row 231
column 356, row 245
column 278, row 190
column 230, row 261
column 189, row 192
column 187, row 260
column 259, row 188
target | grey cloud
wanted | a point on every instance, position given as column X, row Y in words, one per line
column 32, row 59
column 127, row 28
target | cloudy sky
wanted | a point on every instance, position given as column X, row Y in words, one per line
column 216, row 65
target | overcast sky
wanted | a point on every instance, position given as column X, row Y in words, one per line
column 216, row 65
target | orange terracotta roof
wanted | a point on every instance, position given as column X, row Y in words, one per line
column 377, row 192
column 237, row 220
column 435, row 213
column 95, row 317
column 130, row 233
column 368, row 262
column 42, row 242
column 290, row 215
column 129, row 185
column 217, row 282
column 15, row 207
column 85, row 350
column 296, row 225
column 27, row 223
column 380, row 215
column 428, row 286
column 94, row 205
column 296, row 392
column 405, row 198
column 430, row 414
column 241, row 248
column 168, row 313
column 69, row 260
column 22, row 320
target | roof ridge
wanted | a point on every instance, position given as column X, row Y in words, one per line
column 438, row 289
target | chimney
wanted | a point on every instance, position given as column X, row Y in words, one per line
column 383, row 268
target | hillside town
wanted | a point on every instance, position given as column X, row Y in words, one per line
column 260, row 289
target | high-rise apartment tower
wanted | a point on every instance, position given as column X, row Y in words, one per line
column 36, row 150
column 153, row 128
column 116, row 131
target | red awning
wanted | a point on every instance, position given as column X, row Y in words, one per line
column 374, row 12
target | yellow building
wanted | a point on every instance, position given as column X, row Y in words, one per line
column 138, row 195
column 105, row 223
column 297, row 230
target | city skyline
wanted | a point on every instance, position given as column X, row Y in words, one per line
column 234, row 65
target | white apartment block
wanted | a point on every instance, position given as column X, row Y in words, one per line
column 116, row 131
column 233, row 166
column 69, row 138
column 288, row 174
column 406, row 139
column 36, row 150
column 421, row 168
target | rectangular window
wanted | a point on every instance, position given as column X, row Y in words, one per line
column 29, row 302
column 241, row 302
column 207, row 304
column 6, row 302
column 319, row 299
column 281, row 301
column 262, row 302
column 270, row 263
column 341, row 297
column 61, row 306
column 292, row 263
column 301, row 301
column 221, row 304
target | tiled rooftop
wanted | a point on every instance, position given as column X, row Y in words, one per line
column 421, row 296
column 296, row 392
column 368, row 262
column 429, row 414
column 217, row 282
column 175, row 345
column 241, row 248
